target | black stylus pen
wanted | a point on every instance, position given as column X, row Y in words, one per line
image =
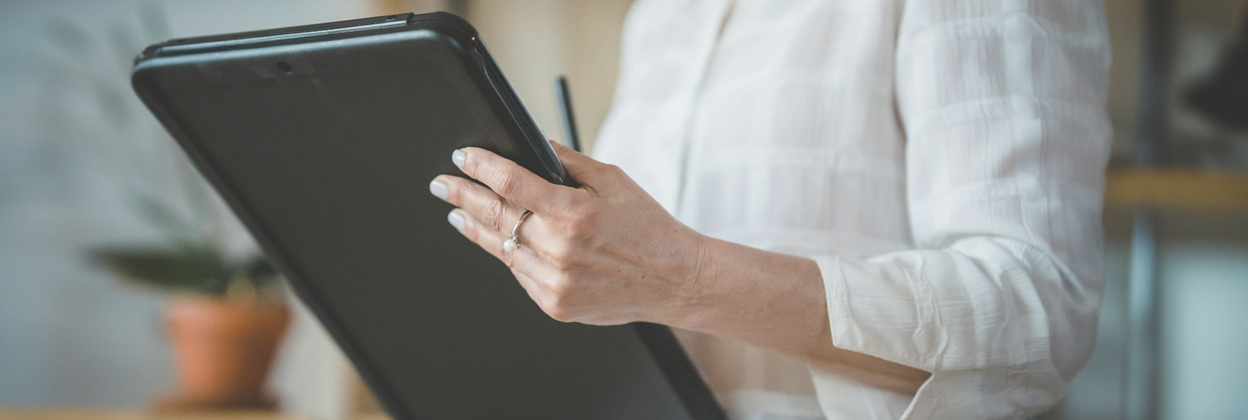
column 565, row 109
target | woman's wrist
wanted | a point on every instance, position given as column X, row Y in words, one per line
column 709, row 288
column 691, row 283
column 749, row 294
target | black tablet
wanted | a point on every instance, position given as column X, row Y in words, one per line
column 323, row 139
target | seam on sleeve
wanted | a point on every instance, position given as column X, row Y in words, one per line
column 1005, row 107
column 917, row 39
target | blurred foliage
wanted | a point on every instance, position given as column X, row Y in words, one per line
column 194, row 270
column 196, row 230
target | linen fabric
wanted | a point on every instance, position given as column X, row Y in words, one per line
column 941, row 160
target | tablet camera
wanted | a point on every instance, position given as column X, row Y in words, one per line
column 283, row 66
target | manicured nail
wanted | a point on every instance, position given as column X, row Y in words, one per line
column 458, row 157
column 438, row 189
column 456, row 217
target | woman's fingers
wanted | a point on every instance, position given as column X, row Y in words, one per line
column 534, row 276
column 520, row 259
column 484, row 205
column 507, row 179
column 492, row 211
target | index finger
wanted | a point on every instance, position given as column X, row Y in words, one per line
column 507, row 179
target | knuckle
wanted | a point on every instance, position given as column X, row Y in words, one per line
column 559, row 307
column 558, row 264
column 563, row 258
column 562, row 287
column 505, row 184
column 607, row 173
column 507, row 260
column 561, row 205
column 558, row 313
column 494, row 213
column 613, row 171
column 582, row 221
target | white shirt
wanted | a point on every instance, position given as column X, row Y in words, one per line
column 941, row 160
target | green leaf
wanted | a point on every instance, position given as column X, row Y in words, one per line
column 191, row 270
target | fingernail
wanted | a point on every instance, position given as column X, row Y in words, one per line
column 456, row 217
column 438, row 189
column 457, row 157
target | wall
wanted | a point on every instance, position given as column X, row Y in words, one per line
column 536, row 40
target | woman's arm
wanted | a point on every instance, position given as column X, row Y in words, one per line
column 607, row 253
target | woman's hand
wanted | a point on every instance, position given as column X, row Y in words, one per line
column 605, row 253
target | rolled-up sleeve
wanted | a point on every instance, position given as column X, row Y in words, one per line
column 1006, row 143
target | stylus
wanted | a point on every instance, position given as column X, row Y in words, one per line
column 565, row 109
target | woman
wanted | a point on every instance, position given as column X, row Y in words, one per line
column 887, row 207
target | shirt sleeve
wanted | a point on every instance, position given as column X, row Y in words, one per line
column 1003, row 104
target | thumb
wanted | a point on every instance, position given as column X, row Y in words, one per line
column 581, row 167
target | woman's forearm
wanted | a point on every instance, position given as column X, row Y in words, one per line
column 777, row 301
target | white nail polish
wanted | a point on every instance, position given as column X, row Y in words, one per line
column 456, row 218
column 438, row 189
column 457, row 157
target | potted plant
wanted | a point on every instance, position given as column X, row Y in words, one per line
column 226, row 314
column 225, row 320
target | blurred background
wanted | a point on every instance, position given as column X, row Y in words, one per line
column 87, row 177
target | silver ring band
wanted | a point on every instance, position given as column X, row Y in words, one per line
column 513, row 241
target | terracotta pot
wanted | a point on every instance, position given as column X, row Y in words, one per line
column 223, row 352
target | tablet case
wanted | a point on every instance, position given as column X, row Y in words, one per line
column 322, row 139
